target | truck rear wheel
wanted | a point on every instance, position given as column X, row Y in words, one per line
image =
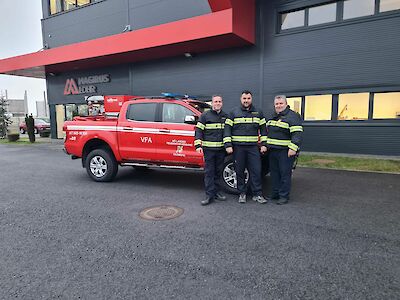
column 101, row 165
column 229, row 180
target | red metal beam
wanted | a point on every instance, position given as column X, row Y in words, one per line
column 231, row 24
column 217, row 5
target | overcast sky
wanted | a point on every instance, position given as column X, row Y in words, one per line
column 21, row 33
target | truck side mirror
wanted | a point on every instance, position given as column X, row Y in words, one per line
column 191, row 119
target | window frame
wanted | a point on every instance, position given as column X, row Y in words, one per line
column 63, row 10
column 191, row 109
column 156, row 112
column 287, row 8
column 373, row 104
column 335, row 106
column 325, row 23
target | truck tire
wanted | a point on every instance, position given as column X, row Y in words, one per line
column 101, row 165
column 228, row 176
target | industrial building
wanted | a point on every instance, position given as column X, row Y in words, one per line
column 337, row 61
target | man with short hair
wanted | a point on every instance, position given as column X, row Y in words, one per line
column 208, row 140
column 283, row 143
column 243, row 127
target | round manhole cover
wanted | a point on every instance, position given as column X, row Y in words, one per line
column 160, row 213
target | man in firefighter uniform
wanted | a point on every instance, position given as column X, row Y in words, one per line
column 243, row 127
column 208, row 140
column 283, row 143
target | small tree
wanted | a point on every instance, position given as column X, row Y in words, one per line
column 5, row 119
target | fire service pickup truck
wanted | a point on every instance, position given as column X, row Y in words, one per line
column 142, row 132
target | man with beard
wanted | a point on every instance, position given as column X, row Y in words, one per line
column 243, row 127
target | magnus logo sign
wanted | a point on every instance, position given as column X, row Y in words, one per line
column 85, row 85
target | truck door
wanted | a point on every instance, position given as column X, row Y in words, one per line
column 136, row 132
column 175, row 143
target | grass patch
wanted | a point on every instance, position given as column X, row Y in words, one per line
column 21, row 141
column 348, row 163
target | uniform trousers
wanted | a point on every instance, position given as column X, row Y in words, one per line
column 214, row 162
column 280, row 166
column 248, row 156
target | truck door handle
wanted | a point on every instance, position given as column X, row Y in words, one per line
column 164, row 130
column 127, row 129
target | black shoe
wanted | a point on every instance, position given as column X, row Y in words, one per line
column 282, row 201
column 219, row 197
column 274, row 198
column 205, row 201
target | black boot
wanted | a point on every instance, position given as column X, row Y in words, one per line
column 282, row 201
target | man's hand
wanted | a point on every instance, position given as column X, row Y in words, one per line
column 291, row 153
column 263, row 149
column 199, row 150
column 229, row 150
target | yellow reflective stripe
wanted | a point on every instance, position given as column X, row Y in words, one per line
column 212, row 144
column 296, row 128
column 200, row 125
column 247, row 139
column 263, row 138
column 227, row 139
column 229, row 122
column 278, row 124
column 278, row 142
column 262, row 121
column 215, row 126
column 246, row 120
column 197, row 142
column 293, row 146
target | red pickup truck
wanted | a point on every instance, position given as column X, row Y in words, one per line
column 148, row 132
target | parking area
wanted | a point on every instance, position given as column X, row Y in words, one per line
column 65, row 236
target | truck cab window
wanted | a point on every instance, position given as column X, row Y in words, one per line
column 175, row 113
column 142, row 112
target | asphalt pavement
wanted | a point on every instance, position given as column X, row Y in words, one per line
column 64, row 236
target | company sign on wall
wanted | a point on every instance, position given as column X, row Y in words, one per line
column 85, row 85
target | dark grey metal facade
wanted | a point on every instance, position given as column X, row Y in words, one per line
column 360, row 55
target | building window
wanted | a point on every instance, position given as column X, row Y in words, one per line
column 83, row 110
column 335, row 12
column 386, row 106
column 358, row 8
column 295, row 104
column 55, row 6
column 292, row 19
column 318, row 108
column 82, row 2
column 69, row 4
column 322, row 14
column 388, row 5
column 353, row 106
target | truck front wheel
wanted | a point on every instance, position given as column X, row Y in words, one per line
column 101, row 166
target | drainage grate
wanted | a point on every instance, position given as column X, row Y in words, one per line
column 160, row 213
